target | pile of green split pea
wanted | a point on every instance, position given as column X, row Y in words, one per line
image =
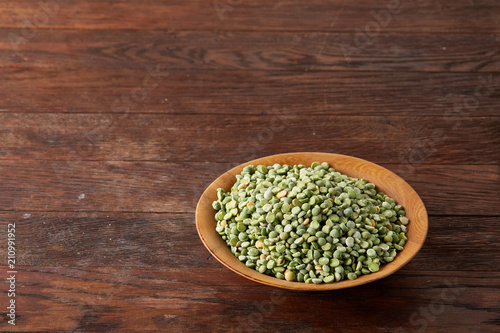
column 309, row 224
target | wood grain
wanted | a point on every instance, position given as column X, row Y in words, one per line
column 169, row 240
column 237, row 92
column 152, row 299
column 175, row 137
column 115, row 116
column 316, row 15
column 238, row 50
column 175, row 188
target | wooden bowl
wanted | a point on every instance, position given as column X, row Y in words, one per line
column 386, row 182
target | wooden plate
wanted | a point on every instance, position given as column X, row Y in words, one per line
column 386, row 182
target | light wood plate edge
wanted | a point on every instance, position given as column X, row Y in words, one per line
column 385, row 180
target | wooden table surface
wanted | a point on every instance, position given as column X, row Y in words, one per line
column 116, row 115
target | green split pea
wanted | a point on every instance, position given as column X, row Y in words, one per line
column 309, row 224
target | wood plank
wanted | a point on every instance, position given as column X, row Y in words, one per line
column 315, row 15
column 449, row 240
column 151, row 240
column 154, row 89
column 116, row 115
column 169, row 187
column 183, row 138
column 152, row 299
column 255, row 51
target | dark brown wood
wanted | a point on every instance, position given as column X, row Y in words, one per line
column 176, row 138
column 115, row 117
column 194, row 299
column 236, row 92
column 316, row 15
column 142, row 240
column 316, row 51
column 118, row 186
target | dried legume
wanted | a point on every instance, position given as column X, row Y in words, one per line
column 312, row 225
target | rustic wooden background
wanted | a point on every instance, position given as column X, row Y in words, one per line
column 115, row 116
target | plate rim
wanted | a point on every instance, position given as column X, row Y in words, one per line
column 240, row 268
